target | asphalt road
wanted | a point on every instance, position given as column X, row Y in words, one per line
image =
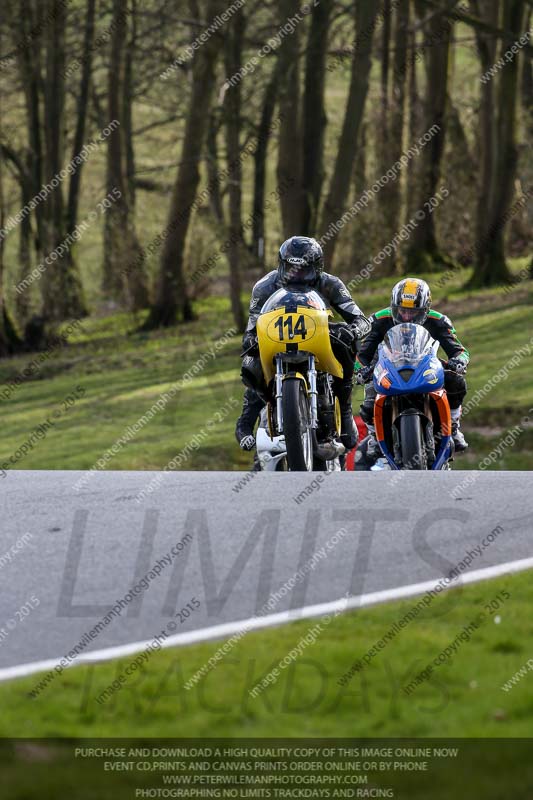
column 78, row 553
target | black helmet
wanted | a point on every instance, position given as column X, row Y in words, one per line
column 410, row 301
column 301, row 261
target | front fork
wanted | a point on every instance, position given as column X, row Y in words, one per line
column 278, row 384
column 313, row 392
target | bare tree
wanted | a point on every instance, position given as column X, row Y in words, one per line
column 81, row 115
column 232, row 109
column 213, row 167
column 499, row 154
column 171, row 295
column 121, row 245
column 260, row 160
column 9, row 339
column 334, row 206
column 393, row 108
column 289, row 170
column 61, row 287
column 424, row 253
column 314, row 115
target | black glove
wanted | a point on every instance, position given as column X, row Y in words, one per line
column 250, row 346
column 342, row 333
column 457, row 365
column 364, row 375
column 360, row 327
column 247, row 442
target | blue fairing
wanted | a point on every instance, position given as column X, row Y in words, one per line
column 426, row 377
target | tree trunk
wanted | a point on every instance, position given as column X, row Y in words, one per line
column 289, row 170
column 424, row 255
column 359, row 166
column 260, row 155
column 171, row 297
column 121, row 246
column 362, row 237
column 499, row 150
column 22, row 300
column 30, row 71
column 459, row 139
column 414, row 124
column 9, row 340
column 382, row 133
column 61, row 289
column 29, row 164
column 81, row 117
column 527, row 105
column 390, row 196
column 213, row 168
column 127, row 111
column 334, row 206
column 314, row 116
column 23, row 171
column 232, row 113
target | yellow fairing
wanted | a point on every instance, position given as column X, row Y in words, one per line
column 306, row 327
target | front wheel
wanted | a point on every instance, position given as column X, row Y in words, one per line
column 297, row 426
column 412, row 442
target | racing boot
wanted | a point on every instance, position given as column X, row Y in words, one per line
column 244, row 429
column 349, row 435
column 362, row 461
column 458, row 437
column 373, row 450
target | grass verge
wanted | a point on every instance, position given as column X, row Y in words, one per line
column 462, row 697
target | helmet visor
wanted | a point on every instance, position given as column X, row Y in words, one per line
column 402, row 314
column 293, row 274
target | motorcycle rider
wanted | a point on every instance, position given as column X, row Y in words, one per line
column 411, row 302
column 301, row 267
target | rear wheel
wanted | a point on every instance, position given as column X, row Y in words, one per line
column 412, row 442
column 297, row 426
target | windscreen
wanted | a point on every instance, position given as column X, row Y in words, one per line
column 290, row 300
column 407, row 344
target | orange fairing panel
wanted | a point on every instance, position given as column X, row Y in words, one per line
column 443, row 407
column 378, row 417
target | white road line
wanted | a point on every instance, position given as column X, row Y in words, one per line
column 227, row 629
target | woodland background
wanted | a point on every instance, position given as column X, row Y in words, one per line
column 201, row 175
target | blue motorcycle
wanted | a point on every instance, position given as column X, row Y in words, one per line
column 411, row 410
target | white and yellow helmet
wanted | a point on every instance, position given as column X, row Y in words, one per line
column 410, row 301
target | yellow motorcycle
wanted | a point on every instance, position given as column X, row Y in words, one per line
column 298, row 365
